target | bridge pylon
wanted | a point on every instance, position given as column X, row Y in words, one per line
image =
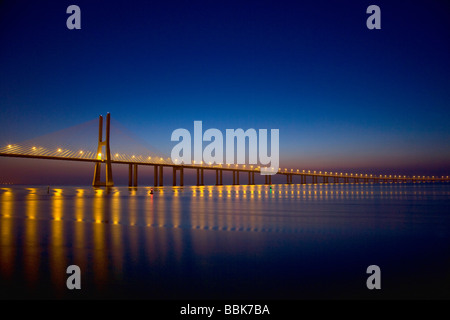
column 106, row 157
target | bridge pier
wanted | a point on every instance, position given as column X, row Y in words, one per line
column 218, row 177
column 289, row 179
column 175, row 169
column 108, row 170
column 200, row 177
column 155, row 176
column 174, row 176
column 161, row 177
column 132, row 175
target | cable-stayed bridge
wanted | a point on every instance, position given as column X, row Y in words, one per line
column 100, row 153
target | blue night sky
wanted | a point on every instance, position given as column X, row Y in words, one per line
column 341, row 95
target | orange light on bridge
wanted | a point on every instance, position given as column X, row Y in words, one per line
column 99, row 156
column 9, row 146
column 132, row 156
column 149, row 158
column 59, row 150
column 81, row 151
column 34, row 148
column 161, row 159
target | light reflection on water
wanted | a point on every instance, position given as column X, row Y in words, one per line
column 185, row 242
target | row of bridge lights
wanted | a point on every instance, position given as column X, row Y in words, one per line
column 99, row 156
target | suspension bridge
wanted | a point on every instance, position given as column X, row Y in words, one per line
column 103, row 156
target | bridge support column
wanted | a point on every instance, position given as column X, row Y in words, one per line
column 220, row 176
column 155, row 176
column 266, row 179
column 237, row 177
column 202, row 174
column 161, row 178
column 174, row 174
column 107, row 155
column 181, row 177
column 217, row 177
column 198, row 178
column 130, row 175
column 249, row 178
column 135, row 183
column 270, row 178
column 234, row 178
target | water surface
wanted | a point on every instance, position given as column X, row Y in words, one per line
column 226, row 242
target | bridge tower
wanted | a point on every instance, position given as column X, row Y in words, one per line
column 106, row 156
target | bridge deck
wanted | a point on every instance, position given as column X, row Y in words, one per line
column 230, row 168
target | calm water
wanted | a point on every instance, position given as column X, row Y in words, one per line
column 230, row 242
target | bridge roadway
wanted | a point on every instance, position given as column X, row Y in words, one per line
column 158, row 172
